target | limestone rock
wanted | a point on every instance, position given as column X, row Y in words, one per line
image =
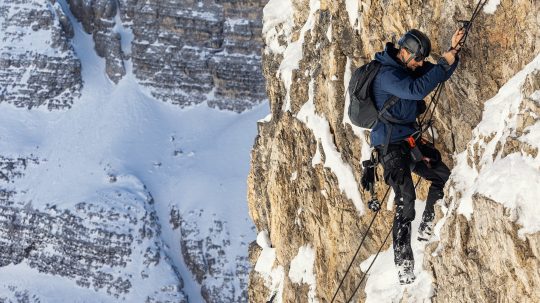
column 206, row 258
column 38, row 67
column 307, row 154
column 188, row 52
column 111, row 245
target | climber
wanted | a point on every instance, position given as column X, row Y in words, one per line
column 406, row 75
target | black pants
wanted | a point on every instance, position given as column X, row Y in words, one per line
column 397, row 164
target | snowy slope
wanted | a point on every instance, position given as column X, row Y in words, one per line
column 117, row 139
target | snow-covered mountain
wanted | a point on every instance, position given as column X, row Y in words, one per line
column 117, row 196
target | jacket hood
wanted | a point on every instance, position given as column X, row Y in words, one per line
column 388, row 56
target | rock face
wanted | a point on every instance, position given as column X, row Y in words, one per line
column 38, row 67
column 185, row 52
column 98, row 19
column 206, row 258
column 499, row 258
column 305, row 168
column 111, row 244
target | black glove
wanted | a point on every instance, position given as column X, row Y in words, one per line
column 368, row 175
column 420, row 107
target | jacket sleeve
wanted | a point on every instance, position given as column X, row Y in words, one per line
column 451, row 68
column 404, row 86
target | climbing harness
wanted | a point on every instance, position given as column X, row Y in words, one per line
column 374, row 204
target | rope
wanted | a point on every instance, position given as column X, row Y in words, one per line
column 365, row 274
column 475, row 14
column 438, row 90
column 358, row 249
column 376, row 255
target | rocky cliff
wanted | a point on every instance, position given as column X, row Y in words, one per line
column 110, row 243
column 38, row 67
column 185, row 52
column 305, row 167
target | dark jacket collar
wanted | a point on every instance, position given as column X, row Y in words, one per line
column 389, row 56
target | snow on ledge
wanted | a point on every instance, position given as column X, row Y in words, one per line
column 273, row 277
column 301, row 270
column 277, row 21
column 321, row 130
column 352, row 10
column 263, row 240
column 512, row 180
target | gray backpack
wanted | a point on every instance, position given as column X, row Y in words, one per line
column 362, row 110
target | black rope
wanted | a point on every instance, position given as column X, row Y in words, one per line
column 475, row 14
column 434, row 101
column 376, row 255
column 358, row 249
column 438, row 90
column 365, row 274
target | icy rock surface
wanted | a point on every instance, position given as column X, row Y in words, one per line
column 38, row 67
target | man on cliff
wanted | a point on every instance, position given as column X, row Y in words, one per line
column 406, row 75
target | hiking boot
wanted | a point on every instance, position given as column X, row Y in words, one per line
column 406, row 272
column 425, row 230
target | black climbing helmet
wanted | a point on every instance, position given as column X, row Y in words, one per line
column 416, row 43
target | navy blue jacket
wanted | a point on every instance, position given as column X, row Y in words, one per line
column 394, row 79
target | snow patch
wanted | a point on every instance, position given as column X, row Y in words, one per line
column 321, row 130
column 352, row 11
column 491, row 6
column 382, row 285
column 263, row 240
column 508, row 181
column 294, row 176
column 329, row 33
column 277, row 21
column 273, row 278
column 301, row 270
column 502, row 179
column 266, row 119
column 126, row 34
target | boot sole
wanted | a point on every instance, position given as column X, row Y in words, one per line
column 407, row 282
